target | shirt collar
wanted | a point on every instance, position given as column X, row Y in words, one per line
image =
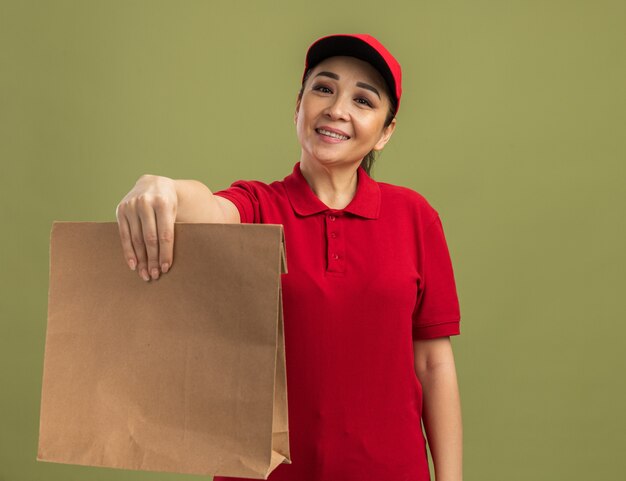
column 366, row 201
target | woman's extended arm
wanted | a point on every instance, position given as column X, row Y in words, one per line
column 146, row 217
column 434, row 366
column 196, row 203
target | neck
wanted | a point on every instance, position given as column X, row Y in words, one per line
column 335, row 186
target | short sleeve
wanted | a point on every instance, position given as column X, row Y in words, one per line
column 437, row 310
column 243, row 194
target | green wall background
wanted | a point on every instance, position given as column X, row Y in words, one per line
column 512, row 124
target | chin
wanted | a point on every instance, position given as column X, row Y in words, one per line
column 324, row 157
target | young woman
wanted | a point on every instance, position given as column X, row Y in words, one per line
column 369, row 301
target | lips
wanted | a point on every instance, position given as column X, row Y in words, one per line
column 332, row 133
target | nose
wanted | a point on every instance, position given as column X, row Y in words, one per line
column 338, row 108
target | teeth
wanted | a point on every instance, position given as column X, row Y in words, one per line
column 332, row 134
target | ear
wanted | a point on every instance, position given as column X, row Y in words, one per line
column 295, row 115
column 386, row 135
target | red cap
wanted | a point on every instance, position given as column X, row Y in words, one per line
column 364, row 47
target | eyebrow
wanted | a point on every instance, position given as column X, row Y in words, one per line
column 358, row 84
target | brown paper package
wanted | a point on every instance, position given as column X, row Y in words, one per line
column 184, row 374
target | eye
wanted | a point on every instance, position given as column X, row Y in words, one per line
column 363, row 101
column 322, row 88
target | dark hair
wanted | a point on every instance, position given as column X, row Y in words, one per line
column 370, row 157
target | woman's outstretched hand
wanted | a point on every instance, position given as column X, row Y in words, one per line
column 145, row 218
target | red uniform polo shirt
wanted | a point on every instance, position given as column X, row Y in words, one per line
column 363, row 282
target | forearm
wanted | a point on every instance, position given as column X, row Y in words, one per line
column 196, row 203
column 442, row 420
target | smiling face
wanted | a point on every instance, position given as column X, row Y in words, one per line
column 342, row 112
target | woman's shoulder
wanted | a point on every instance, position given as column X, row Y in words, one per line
column 399, row 195
column 402, row 191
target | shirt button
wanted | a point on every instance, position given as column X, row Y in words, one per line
column 333, row 234
column 335, row 256
column 331, row 217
